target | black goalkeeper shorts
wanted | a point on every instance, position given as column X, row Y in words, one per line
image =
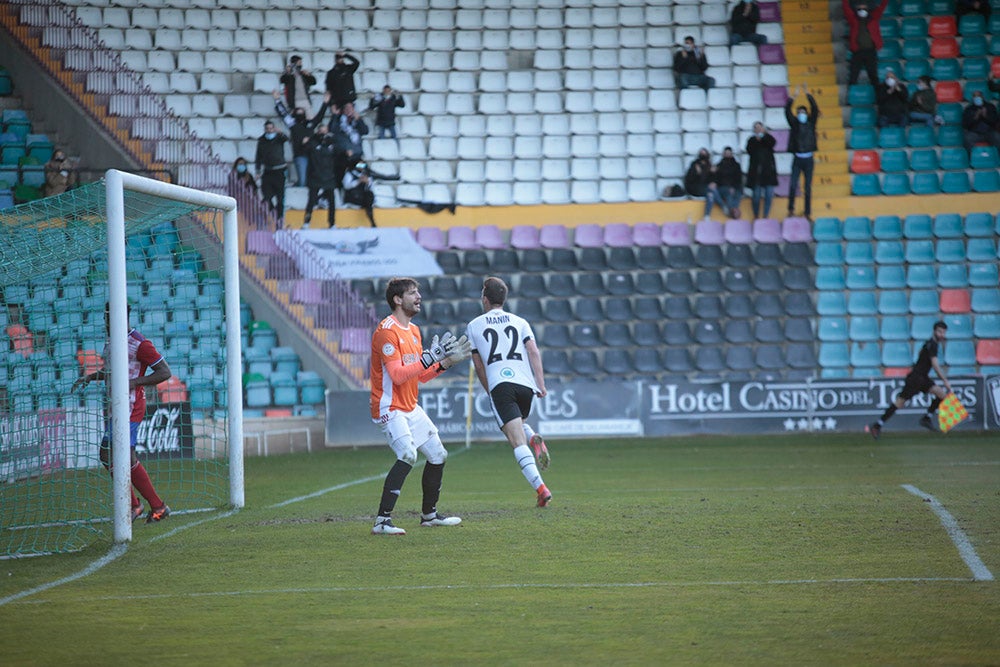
column 511, row 401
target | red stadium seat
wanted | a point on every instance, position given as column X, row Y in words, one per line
column 172, row 390
column 944, row 47
column 90, row 361
column 865, row 162
column 942, row 26
column 948, row 91
column 955, row 301
column 896, row 372
column 278, row 412
column 995, row 68
column 21, row 339
column 988, row 352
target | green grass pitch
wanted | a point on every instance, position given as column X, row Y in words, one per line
column 802, row 550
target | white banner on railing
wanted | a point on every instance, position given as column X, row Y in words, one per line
column 325, row 254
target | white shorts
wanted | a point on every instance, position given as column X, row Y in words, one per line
column 410, row 432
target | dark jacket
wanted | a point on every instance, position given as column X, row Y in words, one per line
column 697, row 178
column 980, row 119
column 762, row 170
column 745, row 24
column 321, row 150
column 271, row 153
column 385, row 114
column 924, row 101
column 891, row 102
column 693, row 62
column 347, row 134
column 802, row 136
column 340, row 81
column 288, row 81
column 854, row 24
column 728, row 174
column 299, row 127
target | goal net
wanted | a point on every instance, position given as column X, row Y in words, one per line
column 78, row 272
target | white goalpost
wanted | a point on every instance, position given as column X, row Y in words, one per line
column 116, row 185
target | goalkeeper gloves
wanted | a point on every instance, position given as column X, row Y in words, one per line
column 458, row 350
column 438, row 350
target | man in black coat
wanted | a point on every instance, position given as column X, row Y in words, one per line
column 762, row 174
column 690, row 66
column 321, row 149
column 743, row 23
column 385, row 105
column 802, row 145
column 340, row 79
column 979, row 122
column 271, row 167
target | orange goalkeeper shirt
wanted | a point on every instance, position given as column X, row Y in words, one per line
column 396, row 371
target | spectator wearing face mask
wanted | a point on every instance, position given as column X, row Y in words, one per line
column 726, row 189
column 802, row 145
column 243, row 174
column 322, row 183
column 297, row 82
column 864, row 38
column 743, row 23
column 690, row 66
column 699, row 175
column 60, row 175
column 340, row 79
column 271, row 168
column 923, row 104
column 891, row 99
column 300, row 127
column 979, row 123
column 762, row 174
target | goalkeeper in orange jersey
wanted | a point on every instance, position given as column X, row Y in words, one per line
column 919, row 381
column 398, row 365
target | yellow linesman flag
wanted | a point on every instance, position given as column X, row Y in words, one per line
column 951, row 413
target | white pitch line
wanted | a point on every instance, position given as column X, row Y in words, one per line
column 322, row 492
column 116, row 552
column 958, row 537
column 325, row 590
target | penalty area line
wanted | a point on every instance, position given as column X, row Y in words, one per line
column 958, row 537
column 114, row 554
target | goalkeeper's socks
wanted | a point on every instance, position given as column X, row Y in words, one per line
column 529, row 468
column 141, row 481
column 431, row 483
column 392, row 487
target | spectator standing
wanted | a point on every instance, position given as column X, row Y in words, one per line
column 923, row 104
column 385, row 105
column 802, row 144
column 60, row 175
column 243, row 174
column 891, row 98
column 690, row 66
column 321, row 150
column 743, row 23
column 963, row 7
column 348, row 129
column 512, row 380
column 699, row 175
column 864, row 38
column 301, row 128
column 297, row 82
column 271, row 168
column 358, row 188
column 399, row 364
column 727, row 178
column 762, row 174
column 979, row 122
column 340, row 79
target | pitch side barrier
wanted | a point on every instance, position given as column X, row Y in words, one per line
column 647, row 408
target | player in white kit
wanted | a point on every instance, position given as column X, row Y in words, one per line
column 509, row 367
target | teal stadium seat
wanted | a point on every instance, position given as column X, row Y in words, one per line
column 941, row 7
column 865, row 185
column 887, row 228
column 925, row 183
column 951, row 113
column 889, row 252
column 863, row 328
column 924, row 302
column 863, row 138
column 889, row 28
column 986, row 181
column 865, row 355
column 946, row 69
column 985, row 300
column 831, row 304
column 954, row 158
column 915, row 68
column 859, row 252
column 920, row 136
column 923, row 160
column 983, row 275
column 975, row 68
column 832, row 329
column 922, row 325
column 829, row 253
column 971, row 24
column 892, row 137
column 973, row 85
column 949, row 135
column 829, row 229
column 890, row 50
column 953, row 276
column 948, row 226
column 897, row 354
column 857, row 228
column 981, row 250
column 983, row 157
column 921, row 276
column 862, row 303
column 918, row 226
column 893, row 302
column 862, row 117
column 894, row 161
column 959, row 352
column 959, row 325
column 993, row 25
column 830, row 278
column 861, row 94
column 920, row 252
column 834, row 355
column 986, row 326
column 916, row 48
column 861, row 277
column 885, row 65
column 913, row 27
column 896, row 184
column 973, row 46
column 955, row 183
column 894, row 327
column 892, row 276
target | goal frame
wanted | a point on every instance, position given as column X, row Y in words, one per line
column 116, row 183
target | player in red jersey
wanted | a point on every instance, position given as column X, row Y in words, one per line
column 399, row 364
column 142, row 356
